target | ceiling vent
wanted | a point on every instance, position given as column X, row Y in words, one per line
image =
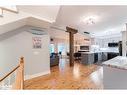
column 86, row 32
column 37, row 32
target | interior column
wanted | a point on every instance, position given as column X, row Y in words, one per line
column 123, row 43
column 71, row 32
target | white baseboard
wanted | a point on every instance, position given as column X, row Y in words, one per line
column 36, row 75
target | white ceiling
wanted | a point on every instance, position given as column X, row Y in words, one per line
column 64, row 35
column 48, row 13
column 110, row 19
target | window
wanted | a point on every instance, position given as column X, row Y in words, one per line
column 62, row 48
column 1, row 12
column 52, row 48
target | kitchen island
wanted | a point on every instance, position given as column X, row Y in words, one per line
column 115, row 73
column 93, row 57
column 97, row 57
column 87, row 58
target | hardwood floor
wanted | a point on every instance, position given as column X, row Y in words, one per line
column 66, row 77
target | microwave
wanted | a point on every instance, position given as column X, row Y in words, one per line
column 84, row 47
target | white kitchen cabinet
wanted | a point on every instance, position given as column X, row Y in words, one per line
column 114, row 78
column 115, row 73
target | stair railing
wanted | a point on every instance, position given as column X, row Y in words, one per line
column 19, row 76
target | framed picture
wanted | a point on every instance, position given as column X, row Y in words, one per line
column 37, row 42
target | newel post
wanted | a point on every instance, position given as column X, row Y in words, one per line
column 19, row 82
column 22, row 71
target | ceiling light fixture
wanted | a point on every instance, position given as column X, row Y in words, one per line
column 90, row 20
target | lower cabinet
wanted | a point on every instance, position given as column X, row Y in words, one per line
column 100, row 57
column 87, row 58
column 112, row 55
column 90, row 58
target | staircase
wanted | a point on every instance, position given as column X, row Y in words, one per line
column 14, row 79
column 5, row 84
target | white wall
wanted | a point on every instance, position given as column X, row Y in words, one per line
column 37, row 61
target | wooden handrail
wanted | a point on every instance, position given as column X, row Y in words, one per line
column 19, row 82
column 8, row 10
column 9, row 73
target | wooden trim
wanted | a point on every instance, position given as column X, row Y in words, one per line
column 71, row 32
column 71, row 40
column 8, row 10
column 19, row 82
column 9, row 73
column 22, row 74
column 87, row 39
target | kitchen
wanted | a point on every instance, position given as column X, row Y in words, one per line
column 110, row 53
column 97, row 50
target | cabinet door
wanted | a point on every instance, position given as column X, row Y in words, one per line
column 99, row 57
column 104, row 56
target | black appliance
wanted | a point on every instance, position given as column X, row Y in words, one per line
column 120, row 48
column 95, row 57
column 77, row 56
column 112, row 44
column 112, row 55
column 84, row 47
